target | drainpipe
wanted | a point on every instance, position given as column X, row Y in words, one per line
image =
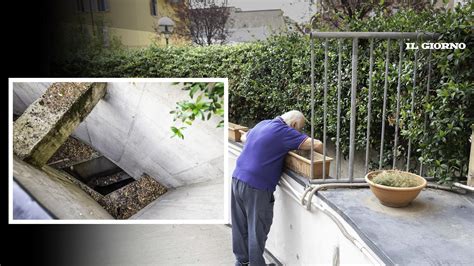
column 314, row 189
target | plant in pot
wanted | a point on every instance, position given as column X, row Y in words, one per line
column 395, row 188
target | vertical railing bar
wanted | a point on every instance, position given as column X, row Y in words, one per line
column 312, row 106
column 412, row 110
column 369, row 105
column 387, row 60
column 355, row 44
column 325, row 104
column 397, row 114
column 426, row 100
column 338, row 137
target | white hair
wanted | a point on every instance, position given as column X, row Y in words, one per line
column 293, row 116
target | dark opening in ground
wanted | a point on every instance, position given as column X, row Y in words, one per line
column 119, row 193
column 100, row 174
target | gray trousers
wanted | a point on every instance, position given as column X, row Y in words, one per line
column 252, row 216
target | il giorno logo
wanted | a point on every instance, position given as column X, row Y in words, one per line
column 436, row 46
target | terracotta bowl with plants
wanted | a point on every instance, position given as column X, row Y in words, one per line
column 395, row 188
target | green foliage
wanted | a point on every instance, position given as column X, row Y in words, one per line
column 209, row 101
column 271, row 77
column 80, row 39
column 395, row 179
column 177, row 132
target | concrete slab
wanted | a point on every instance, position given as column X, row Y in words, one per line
column 49, row 121
column 25, row 207
column 435, row 229
column 105, row 139
column 57, row 194
column 81, row 130
column 151, row 139
column 117, row 113
column 201, row 201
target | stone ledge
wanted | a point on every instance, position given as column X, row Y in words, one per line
column 55, row 191
column 49, row 121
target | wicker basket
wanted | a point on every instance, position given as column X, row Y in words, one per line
column 235, row 131
column 300, row 162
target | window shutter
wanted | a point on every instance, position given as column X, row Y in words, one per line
column 153, row 8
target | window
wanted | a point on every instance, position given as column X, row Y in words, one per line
column 102, row 5
column 92, row 5
column 153, row 10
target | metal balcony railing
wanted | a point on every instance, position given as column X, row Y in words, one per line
column 401, row 37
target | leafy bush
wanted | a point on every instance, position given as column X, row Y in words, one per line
column 209, row 101
column 271, row 77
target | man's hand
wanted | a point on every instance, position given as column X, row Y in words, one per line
column 243, row 136
column 306, row 145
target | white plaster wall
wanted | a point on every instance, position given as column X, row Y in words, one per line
column 131, row 126
column 303, row 237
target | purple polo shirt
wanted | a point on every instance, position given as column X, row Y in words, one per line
column 260, row 164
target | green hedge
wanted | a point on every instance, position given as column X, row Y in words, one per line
column 268, row 78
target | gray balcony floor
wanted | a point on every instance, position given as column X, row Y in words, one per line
column 435, row 229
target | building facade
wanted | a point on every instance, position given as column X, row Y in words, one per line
column 256, row 25
column 132, row 22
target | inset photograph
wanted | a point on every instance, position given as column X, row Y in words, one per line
column 117, row 149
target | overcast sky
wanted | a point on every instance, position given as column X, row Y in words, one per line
column 298, row 10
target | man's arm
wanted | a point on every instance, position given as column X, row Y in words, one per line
column 306, row 145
